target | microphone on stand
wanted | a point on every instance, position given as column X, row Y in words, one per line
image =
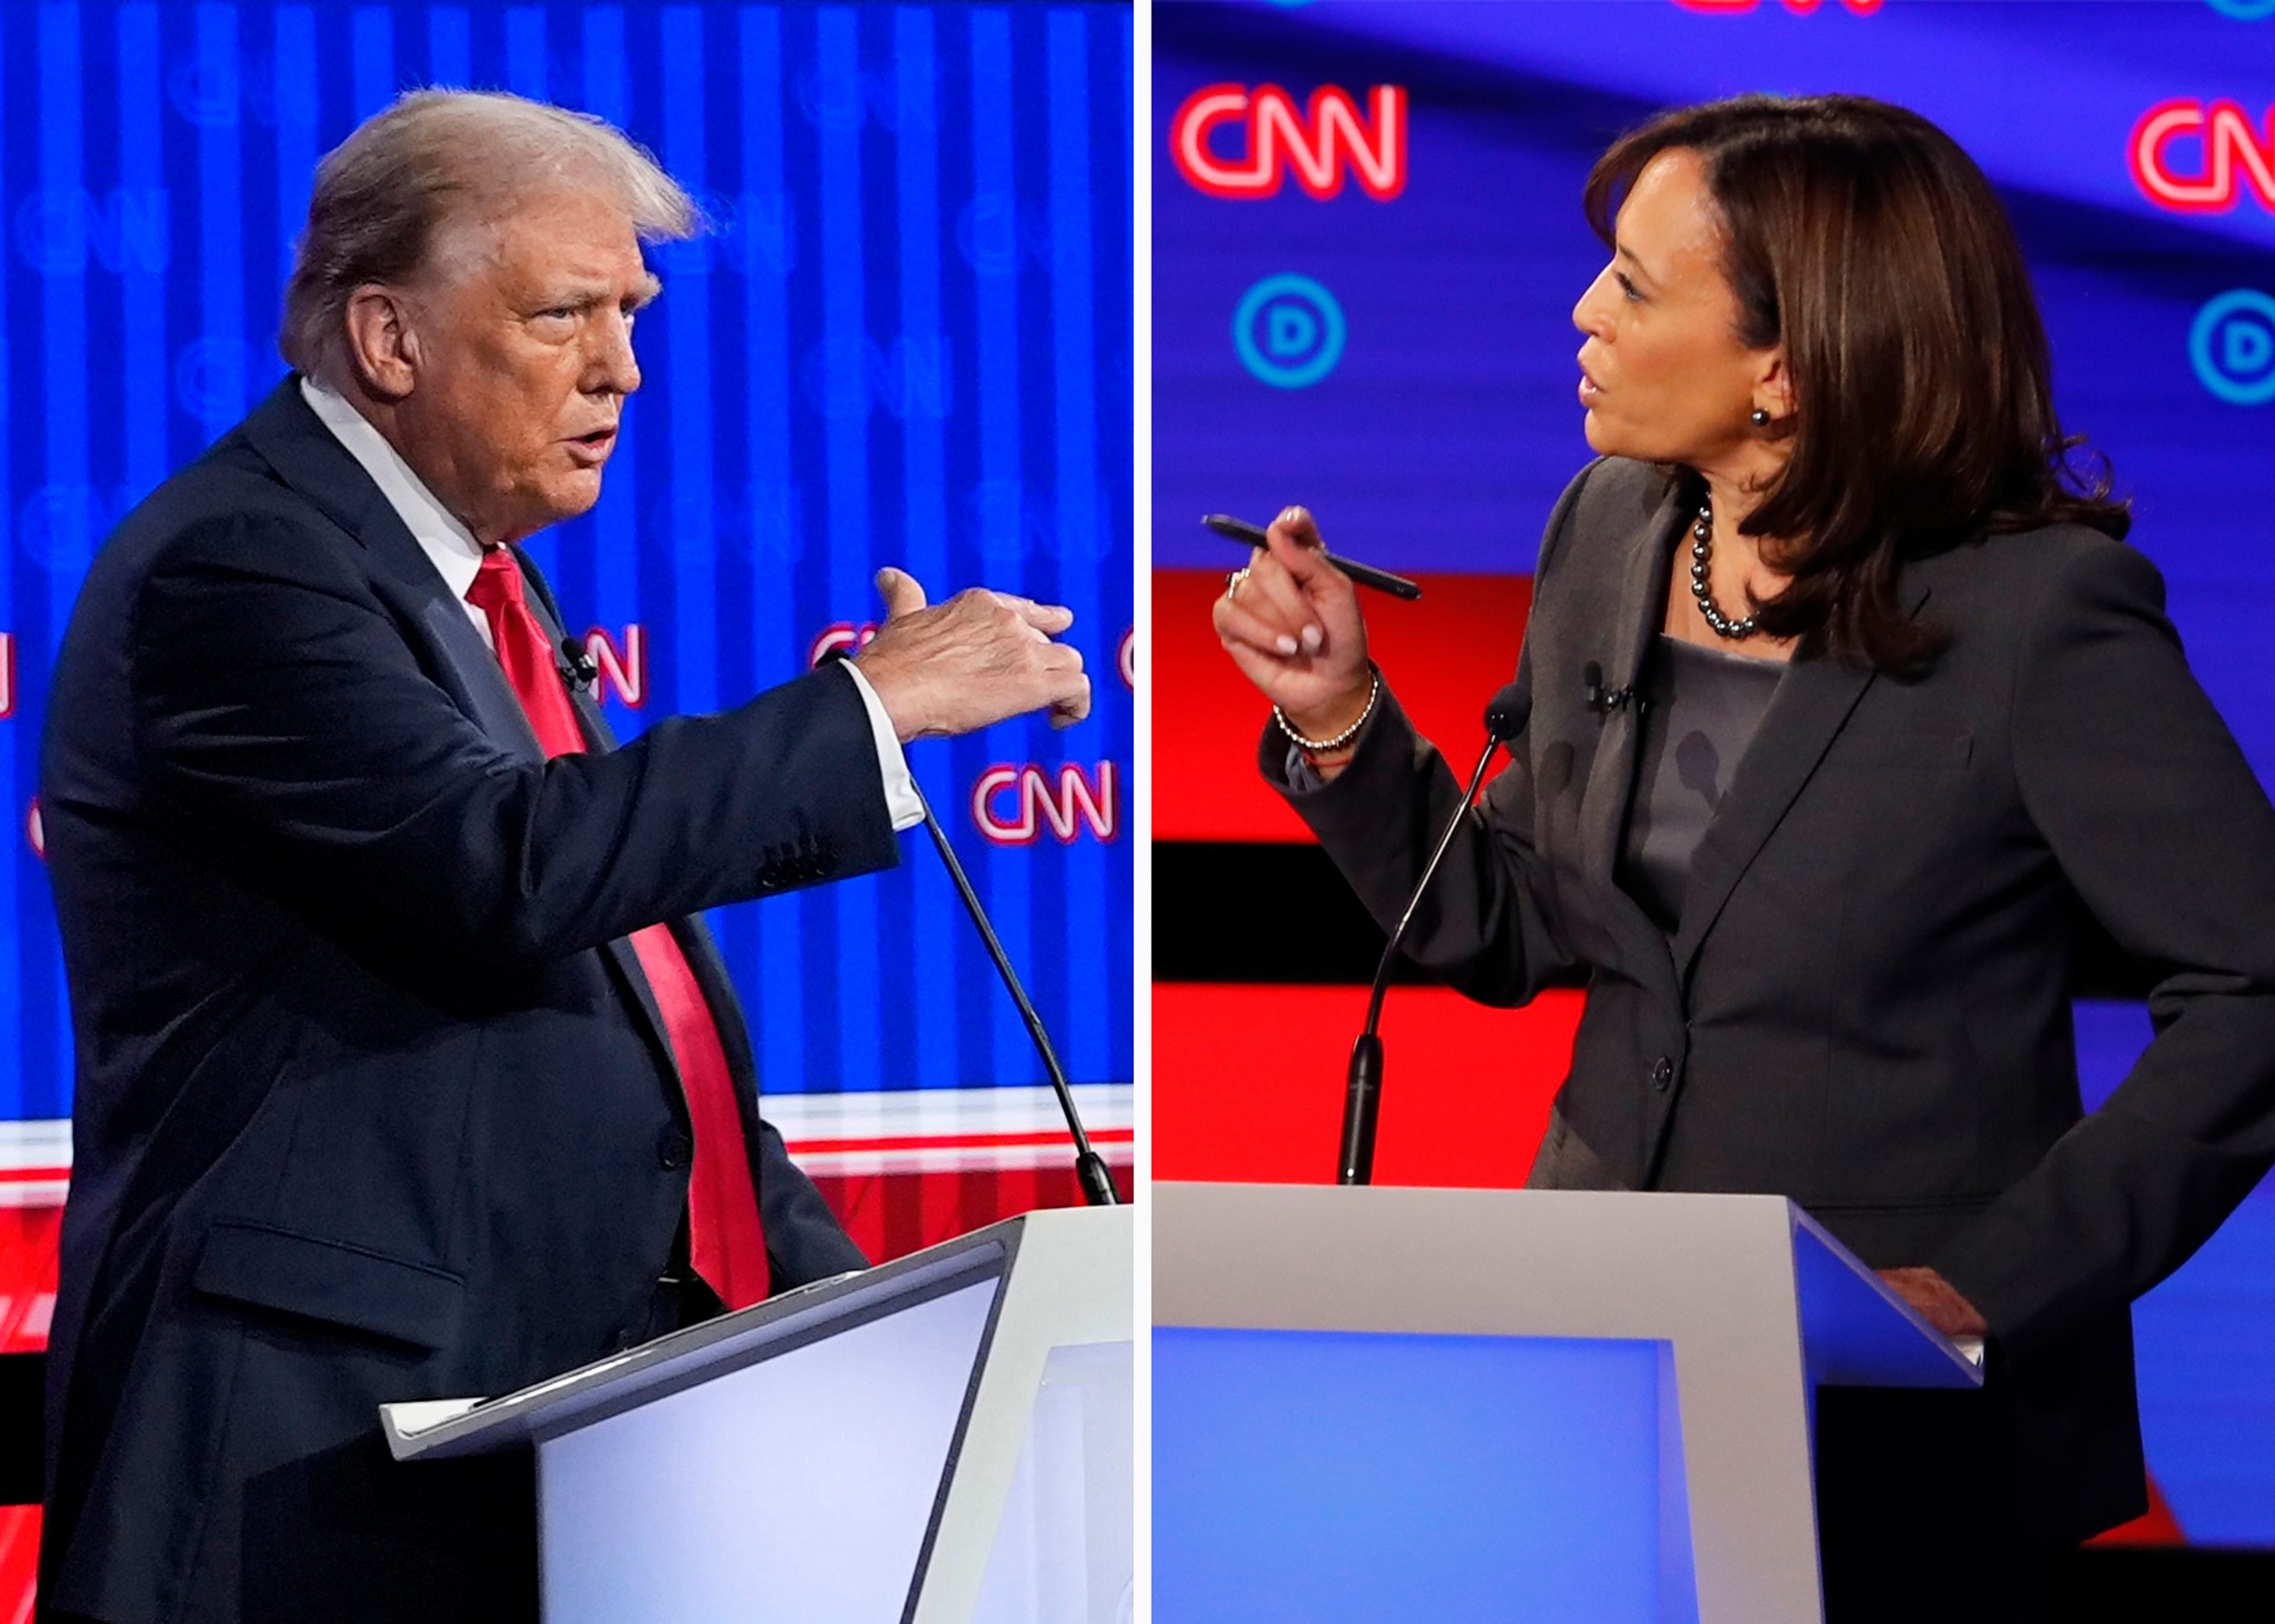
column 1089, row 1166
column 1505, row 719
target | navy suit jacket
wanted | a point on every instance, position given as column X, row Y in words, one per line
column 372, row 1100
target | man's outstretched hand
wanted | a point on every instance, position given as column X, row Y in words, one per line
column 978, row 658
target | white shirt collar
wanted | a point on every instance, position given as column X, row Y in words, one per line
column 440, row 535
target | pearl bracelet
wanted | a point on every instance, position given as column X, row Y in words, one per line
column 1323, row 746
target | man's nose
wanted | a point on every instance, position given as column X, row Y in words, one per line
column 612, row 368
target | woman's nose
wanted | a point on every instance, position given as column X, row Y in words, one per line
column 1592, row 314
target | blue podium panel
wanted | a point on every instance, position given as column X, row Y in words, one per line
column 1350, row 1476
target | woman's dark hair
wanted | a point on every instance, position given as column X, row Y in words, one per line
column 1861, row 238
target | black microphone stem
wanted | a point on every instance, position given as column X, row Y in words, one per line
column 1362, row 1085
column 1089, row 1166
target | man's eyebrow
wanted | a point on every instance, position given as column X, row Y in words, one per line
column 592, row 296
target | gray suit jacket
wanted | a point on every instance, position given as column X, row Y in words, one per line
column 1867, row 1005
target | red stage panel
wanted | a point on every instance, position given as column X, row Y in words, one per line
column 1248, row 1082
column 2157, row 1526
column 28, row 1279
column 19, row 1561
column 890, row 1215
column 1444, row 655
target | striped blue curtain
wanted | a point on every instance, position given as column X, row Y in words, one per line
column 906, row 340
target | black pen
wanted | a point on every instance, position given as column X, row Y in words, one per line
column 1365, row 575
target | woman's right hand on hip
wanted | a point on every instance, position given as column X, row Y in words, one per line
column 1291, row 622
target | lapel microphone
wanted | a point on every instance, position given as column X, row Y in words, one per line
column 1602, row 700
column 577, row 669
column 1505, row 719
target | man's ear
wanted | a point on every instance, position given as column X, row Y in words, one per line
column 382, row 348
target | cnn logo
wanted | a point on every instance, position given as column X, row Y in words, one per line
column 2234, row 154
column 1862, row 8
column 1317, row 144
column 1013, row 803
column 619, row 670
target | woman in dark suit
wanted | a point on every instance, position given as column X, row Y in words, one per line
column 1848, row 706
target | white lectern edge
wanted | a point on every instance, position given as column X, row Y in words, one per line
column 439, row 1428
column 1065, row 1278
column 1071, row 1284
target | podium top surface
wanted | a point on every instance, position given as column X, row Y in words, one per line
column 1659, row 1266
column 579, row 1398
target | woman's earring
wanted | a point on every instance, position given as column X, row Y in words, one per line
column 1761, row 417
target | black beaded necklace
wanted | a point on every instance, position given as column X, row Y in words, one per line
column 1702, row 550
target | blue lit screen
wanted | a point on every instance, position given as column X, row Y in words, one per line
column 1363, row 1476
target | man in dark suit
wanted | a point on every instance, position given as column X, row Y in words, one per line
column 403, row 1069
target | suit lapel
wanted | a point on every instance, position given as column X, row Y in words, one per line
column 1649, row 551
column 547, row 609
column 1814, row 701
column 308, row 457
column 598, row 739
column 482, row 683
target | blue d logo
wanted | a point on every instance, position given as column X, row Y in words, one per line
column 2232, row 347
column 1289, row 331
column 2244, row 10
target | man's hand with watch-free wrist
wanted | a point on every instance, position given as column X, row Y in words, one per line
column 977, row 660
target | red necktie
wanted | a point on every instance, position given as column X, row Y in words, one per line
column 725, row 1242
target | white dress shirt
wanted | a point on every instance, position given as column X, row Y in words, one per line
column 451, row 548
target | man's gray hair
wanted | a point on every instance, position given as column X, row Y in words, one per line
column 435, row 157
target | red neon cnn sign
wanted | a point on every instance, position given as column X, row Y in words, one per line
column 1862, row 8
column 1318, row 145
column 1078, row 799
column 2234, row 154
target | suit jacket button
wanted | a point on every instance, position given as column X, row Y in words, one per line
column 675, row 1150
column 1662, row 1074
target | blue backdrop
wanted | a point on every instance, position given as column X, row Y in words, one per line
column 907, row 341
column 1403, row 363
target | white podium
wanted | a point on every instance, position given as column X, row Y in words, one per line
column 1515, row 1404
column 946, row 1438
